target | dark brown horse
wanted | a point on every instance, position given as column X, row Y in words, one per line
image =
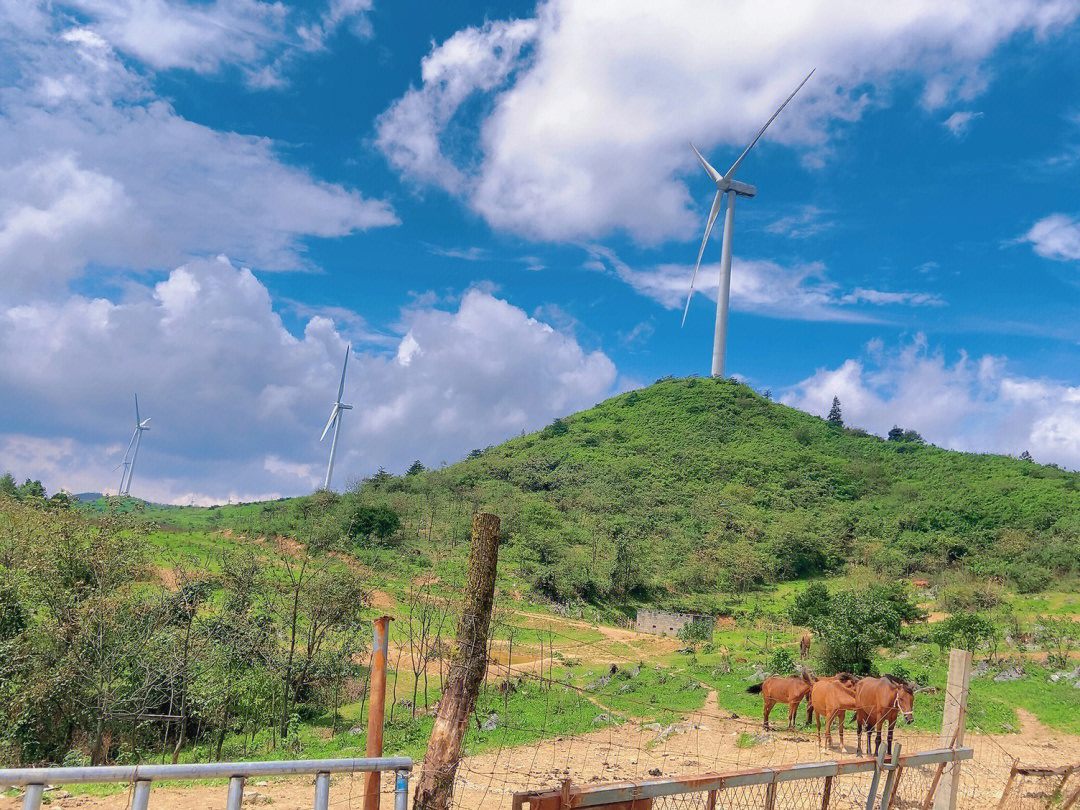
column 789, row 690
column 880, row 701
column 833, row 698
column 804, row 646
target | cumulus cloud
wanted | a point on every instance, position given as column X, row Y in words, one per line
column 238, row 402
column 586, row 109
column 971, row 404
column 1055, row 237
column 762, row 286
column 94, row 169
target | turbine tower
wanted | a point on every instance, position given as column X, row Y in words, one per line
column 335, row 420
column 129, row 464
column 726, row 184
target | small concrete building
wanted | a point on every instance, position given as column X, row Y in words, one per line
column 664, row 623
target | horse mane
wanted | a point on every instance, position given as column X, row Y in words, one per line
column 754, row 689
column 846, row 677
column 903, row 683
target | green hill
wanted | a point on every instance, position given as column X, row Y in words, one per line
column 693, row 488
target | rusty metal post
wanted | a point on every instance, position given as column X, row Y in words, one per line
column 376, row 709
column 1008, row 787
column 827, row 793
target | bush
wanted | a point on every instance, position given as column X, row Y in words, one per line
column 781, row 662
column 810, row 605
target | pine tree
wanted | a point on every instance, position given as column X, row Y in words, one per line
column 835, row 416
column 415, row 468
column 1026, row 456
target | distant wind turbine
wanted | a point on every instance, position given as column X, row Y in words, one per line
column 727, row 184
column 335, row 420
column 129, row 464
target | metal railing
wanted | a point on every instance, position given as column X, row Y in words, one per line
column 34, row 780
column 710, row 788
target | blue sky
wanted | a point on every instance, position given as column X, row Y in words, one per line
column 496, row 205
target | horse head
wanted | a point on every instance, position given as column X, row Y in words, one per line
column 905, row 702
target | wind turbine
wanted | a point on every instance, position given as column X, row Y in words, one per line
column 129, row 465
column 726, row 184
column 335, row 420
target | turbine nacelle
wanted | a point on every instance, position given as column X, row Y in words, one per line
column 742, row 189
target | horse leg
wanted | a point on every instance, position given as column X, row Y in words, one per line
column 809, row 710
column 858, row 733
column 768, row 710
column 792, row 710
column 819, row 729
column 843, row 717
column 888, row 743
column 877, row 739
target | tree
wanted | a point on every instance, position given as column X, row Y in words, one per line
column 856, row 625
column 896, row 434
column 835, row 416
column 475, row 453
column 8, row 485
column 1059, row 636
column 810, row 605
column 1026, row 456
column 965, row 631
column 415, row 468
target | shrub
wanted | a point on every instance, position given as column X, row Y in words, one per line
column 966, row 631
column 781, row 661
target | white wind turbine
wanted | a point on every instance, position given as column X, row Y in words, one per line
column 726, row 184
column 335, row 420
column 129, row 464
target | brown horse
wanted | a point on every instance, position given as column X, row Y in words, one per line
column 804, row 646
column 880, row 701
column 789, row 690
column 834, row 698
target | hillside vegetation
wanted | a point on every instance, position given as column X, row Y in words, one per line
column 700, row 486
column 691, row 491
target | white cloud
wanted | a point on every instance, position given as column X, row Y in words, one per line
column 808, row 221
column 472, row 60
column 589, row 134
column 1055, row 237
column 238, row 402
column 260, row 37
column 975, row 405
column 94, row 169
column 801, row 291
column 960, row 122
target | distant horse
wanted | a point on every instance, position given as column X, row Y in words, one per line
column 804, row 646
column 833, row 698
column 880, row 701
column 789, row 690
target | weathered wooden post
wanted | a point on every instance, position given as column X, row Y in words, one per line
column 952, row 725
column 376, row 709
column 467, row 667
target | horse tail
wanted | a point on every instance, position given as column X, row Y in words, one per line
column 806, row 676
column 754, row 689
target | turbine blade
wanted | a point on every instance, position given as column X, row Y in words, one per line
column 708, row 229
column 333, row 415
column 739, row 160
column 341, row 385
column 137, row 420
column 709, row 170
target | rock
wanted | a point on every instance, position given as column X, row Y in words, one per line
column 601, row 718
column 1076, row 684
column 357, row 730
column 254, row 797
column 635, row 671
column 651, row 727
column 655, row 772
column 405, row 704
column 491, row 723
column 599, row 683
column 1015, row 673
column 261, row 783
column 982, row 669
column 624, row 688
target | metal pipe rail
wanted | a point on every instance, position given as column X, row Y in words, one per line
column 142, row 776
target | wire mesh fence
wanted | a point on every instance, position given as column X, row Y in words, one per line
column 1031, row 787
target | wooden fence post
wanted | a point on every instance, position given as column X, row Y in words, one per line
column 952, row 725
column 467, row 668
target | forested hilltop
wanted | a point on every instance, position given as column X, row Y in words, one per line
column 693, row 489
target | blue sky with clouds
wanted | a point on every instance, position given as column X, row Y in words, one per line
column 496, row 205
